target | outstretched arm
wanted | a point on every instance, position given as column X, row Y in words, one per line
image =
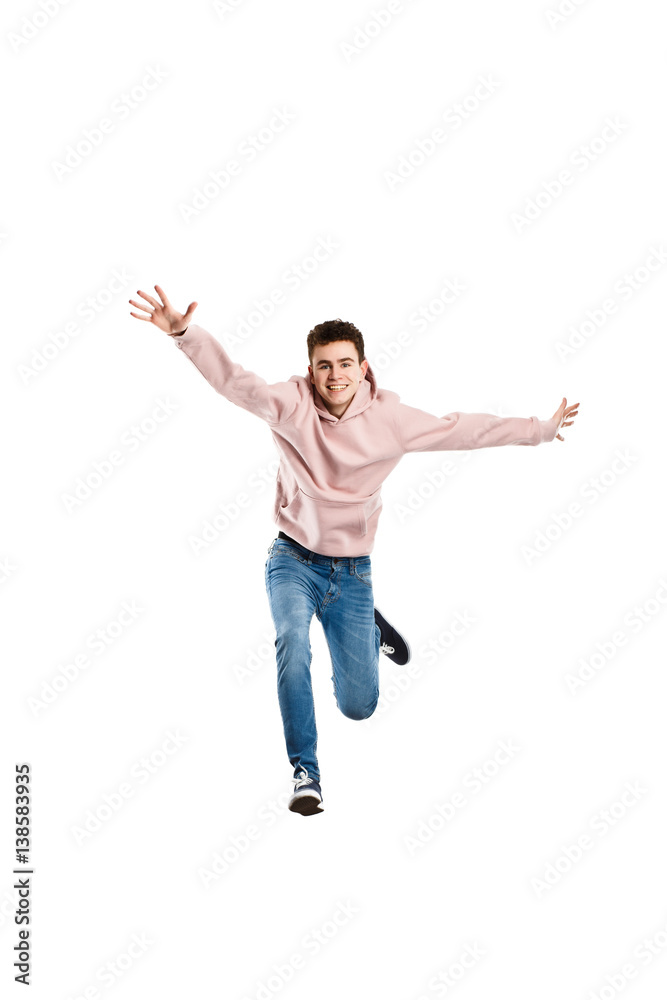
column 272, row 403
column 421, row 431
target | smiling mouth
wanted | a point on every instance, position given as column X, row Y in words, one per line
column 336, row 388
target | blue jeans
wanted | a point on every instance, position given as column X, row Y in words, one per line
column 300, row 584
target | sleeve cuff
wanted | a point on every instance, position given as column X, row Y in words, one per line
column 548, row 429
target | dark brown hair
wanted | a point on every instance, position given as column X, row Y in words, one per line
column 332, row 330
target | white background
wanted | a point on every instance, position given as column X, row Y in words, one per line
column 361, row 96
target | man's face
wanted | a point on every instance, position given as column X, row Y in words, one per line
column 336, row 374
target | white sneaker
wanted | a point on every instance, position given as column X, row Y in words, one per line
column 307, row 797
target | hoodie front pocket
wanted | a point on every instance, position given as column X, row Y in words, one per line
column 348, row 515
column 314, row 513
column 332, row 524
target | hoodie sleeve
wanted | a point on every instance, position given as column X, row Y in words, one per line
column 421, row 431
column 273, row 403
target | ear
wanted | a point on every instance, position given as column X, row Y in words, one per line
column 364, row 367
column 310, row 372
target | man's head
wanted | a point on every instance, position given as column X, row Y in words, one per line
column 337, row 363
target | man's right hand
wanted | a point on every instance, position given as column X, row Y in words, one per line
column 163, row 314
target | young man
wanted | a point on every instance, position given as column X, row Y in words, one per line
column 339, row 436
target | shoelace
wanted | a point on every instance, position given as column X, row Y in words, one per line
column 384, row 648
column 303, row 778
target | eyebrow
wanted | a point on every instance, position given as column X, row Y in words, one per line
column 323, row 361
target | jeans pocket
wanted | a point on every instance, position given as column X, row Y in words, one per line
column 283, row 548
column 364, row 575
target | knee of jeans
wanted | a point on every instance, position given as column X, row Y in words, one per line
column 294, row 632
column 293, row 645
column 358, row 712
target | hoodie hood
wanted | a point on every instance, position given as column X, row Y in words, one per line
column 366, row 393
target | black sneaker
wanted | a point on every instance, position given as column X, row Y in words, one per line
column 307, row 798
column 392, row 643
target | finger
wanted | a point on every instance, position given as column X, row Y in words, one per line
column 140, row 305
column 559, row 437
column 148, row 297
column 147, row 318
column 163, row 298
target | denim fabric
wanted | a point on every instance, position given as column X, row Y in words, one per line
column 339, row 591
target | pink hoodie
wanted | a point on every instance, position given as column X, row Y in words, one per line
column 331, row 470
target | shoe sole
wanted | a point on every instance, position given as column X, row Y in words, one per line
column 306, row 805
column 399, row 663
